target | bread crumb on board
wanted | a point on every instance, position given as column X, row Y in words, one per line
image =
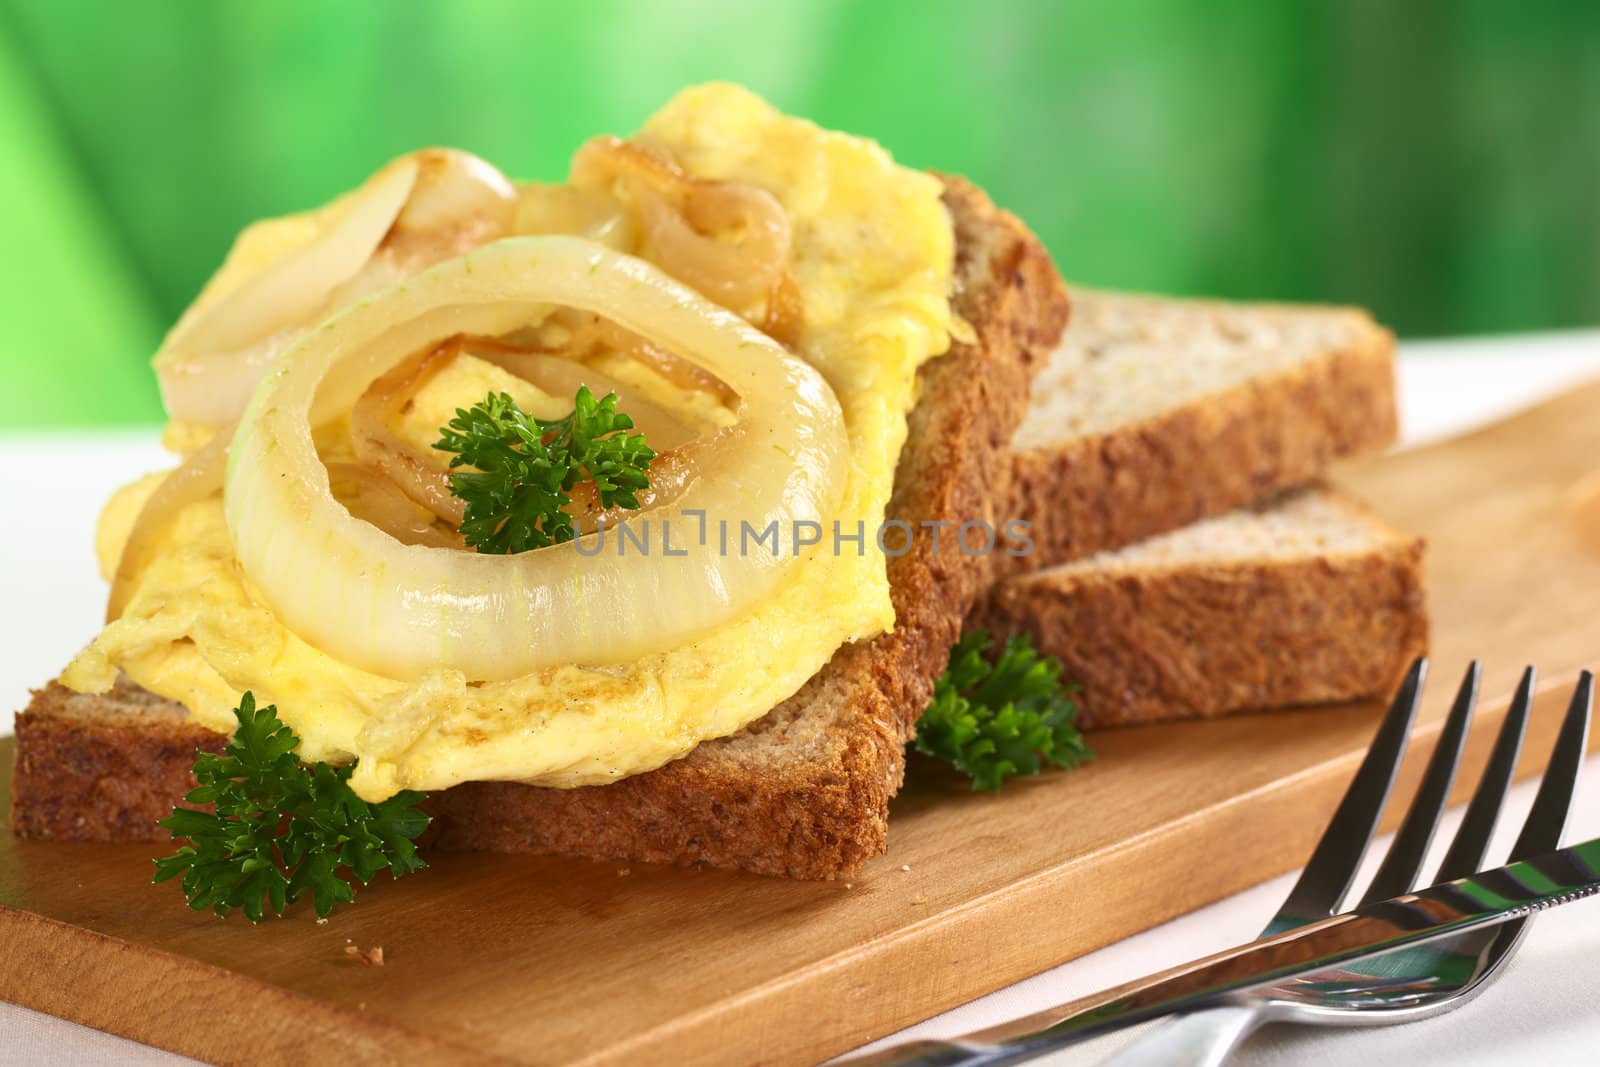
column 919, row 899
column 905, row 866
column 371, row 957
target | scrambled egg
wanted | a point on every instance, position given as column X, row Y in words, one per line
column 872, row 256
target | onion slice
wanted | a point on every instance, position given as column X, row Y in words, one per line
column 405, row 610
column 421, row 476
column 216, row 354
column 678, row 452
column 563, row 377
column 370, row 496
column 686, row 219
column 377, row 446
column 549, row 209
column 423, row 208
column 679, row 238
column 589, row 333
column 194, row 479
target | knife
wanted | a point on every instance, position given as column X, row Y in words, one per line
column 1482, row 900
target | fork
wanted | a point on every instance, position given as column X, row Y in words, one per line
column 1389, row 991
column 1399, row 986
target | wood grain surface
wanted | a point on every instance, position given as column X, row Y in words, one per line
column 517, row 959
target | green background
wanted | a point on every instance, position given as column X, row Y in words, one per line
column 1437, row 161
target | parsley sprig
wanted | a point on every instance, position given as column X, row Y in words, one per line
column 279, row 829
column 997, row 719
column 526, row 468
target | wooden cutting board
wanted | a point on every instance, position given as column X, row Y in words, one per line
column 528, row 960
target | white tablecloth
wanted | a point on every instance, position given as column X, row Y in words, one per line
column 1543, row 1010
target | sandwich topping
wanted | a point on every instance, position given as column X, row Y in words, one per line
column 701, row 346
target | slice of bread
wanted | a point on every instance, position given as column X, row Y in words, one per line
column 1154, row 413
column 802, row 792
column 1305, row 599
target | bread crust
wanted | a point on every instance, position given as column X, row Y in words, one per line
column 822, row 815
column 814, row 805
column 102, row 768
column 1196, row 641
column 1265, row 435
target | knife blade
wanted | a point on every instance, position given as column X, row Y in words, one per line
column 1483, row 900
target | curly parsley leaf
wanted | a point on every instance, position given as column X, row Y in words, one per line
column 1001, row 718
column 279, row 830
column 525, row 468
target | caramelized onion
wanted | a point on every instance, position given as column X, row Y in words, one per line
column 557, row 209
column 196, row 478
column 671, row 473
column 424, row 483
column 371, row 497
column 406, row 610
column 727, row 239
column 603, row 160
column 786, row 311
column 420, row 209
column 733, row 274
column 563, row 377
column 588, row 334
column 459, row 203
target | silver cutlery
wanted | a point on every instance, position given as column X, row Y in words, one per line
column 1388, row 960
column 1206, row 1038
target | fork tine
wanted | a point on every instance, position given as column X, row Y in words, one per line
column 1483, row 811
column 1404, row 861
column 1548, row 818
column 1332, row 867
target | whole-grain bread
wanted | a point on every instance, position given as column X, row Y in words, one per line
column 1304, row 599
column 102, row 767
column 802, row 792
column 1154, row 413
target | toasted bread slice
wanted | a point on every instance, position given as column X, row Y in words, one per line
column 802, row 792
column 1305, row 599
column 1154, row 413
